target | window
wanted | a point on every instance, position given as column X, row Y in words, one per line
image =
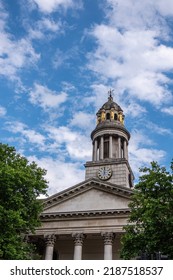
column 108, row 116
column 115, row 117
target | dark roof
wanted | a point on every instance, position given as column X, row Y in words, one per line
column 110, row 104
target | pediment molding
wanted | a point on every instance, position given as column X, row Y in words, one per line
column 84, row 186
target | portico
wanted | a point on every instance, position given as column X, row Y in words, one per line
column 79, row 246
column 91, row 226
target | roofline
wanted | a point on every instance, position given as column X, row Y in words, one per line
column 65, row 194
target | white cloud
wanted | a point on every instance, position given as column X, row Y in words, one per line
column 165, row 7
column 158, row 129
column 63, row 58
column 137, row 14
column 134, row 60
column 49, row 6
column 83, row 120
column 41, row 28
column 14, row 54
column 68, row 86
column 76, row 145
column 3, row 111
column 29, row 134
column 46, row 98
column 140, row 151
column 146, row 86
column 133, row 109
column 61, row 141
column 60, row 174
column 168, row 110
column 3, row 17
column 60, row 58
column 99, row 96
column 130, row 51
column 49, row 24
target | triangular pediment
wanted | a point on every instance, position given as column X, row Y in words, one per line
column 90, row 195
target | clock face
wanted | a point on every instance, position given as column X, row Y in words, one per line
column 104, row 173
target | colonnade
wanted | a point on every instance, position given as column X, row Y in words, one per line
column 98, row 148
column 78, row 238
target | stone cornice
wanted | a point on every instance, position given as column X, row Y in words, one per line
column 82, row 214
column 107, row 125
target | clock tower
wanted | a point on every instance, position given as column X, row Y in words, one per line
column 110, row 141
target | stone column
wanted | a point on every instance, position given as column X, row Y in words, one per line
column 50, row 241
column 119, row 147
column 95, row 150
column 108, row 238
column 125, row 149
column 110, row 146
column 101, row 147
column 78, row 242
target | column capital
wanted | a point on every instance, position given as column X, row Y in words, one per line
column 50, row 239
column 108, row 238
column 78, row 238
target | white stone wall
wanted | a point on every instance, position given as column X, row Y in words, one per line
column 119, row 175
column 86, row 201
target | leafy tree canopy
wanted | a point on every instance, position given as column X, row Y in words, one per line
column 21, row 183
column 150, row 227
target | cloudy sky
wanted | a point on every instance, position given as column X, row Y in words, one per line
column 59, row 58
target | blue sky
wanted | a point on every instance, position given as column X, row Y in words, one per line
column 59, row 58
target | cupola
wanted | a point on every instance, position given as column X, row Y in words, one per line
column 110, row 137
column 110, row 111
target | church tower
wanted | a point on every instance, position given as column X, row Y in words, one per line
column 110, row 141
column 86, row 221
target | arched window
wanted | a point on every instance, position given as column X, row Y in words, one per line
column 108, row 116
column 115, row 117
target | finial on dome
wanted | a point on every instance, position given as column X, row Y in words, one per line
column 110, row 94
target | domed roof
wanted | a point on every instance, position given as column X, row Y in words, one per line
column 110, row 117
column 110, row 104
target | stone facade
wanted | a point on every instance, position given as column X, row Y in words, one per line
column 120, row 171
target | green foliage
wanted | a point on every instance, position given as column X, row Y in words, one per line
column 21, row 183
column 150, row 225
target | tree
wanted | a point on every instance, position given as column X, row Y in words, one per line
column 150, row 227
column 21, row 183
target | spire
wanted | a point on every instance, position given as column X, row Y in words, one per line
column 110, row 94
